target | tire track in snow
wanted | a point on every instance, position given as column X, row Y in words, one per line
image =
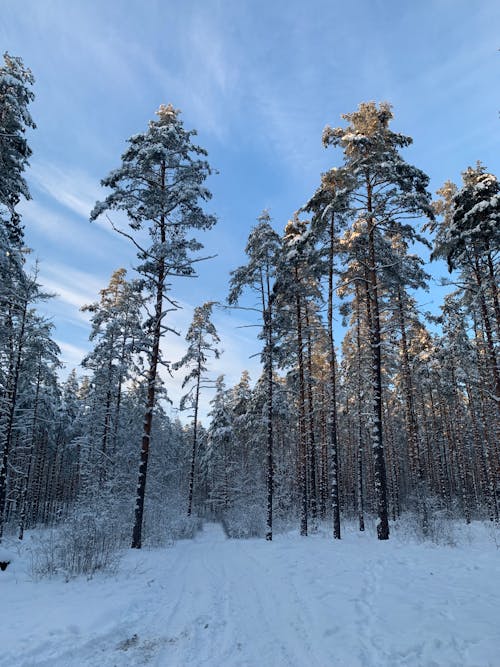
column 294, row 610
column 260, row 630
column 368, row 622
column 243, row 613
column 201, row 614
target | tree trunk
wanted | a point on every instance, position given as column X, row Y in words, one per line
column 333, row 391
column 195, row 437
column 302, row 417
column 376, row 369
column 310, row 414
column 150, row 402
column 270, row 461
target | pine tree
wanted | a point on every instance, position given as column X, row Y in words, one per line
column 20, row 327
column 159, row 185
column 258, row 274
column 118, row 339
column 15, row 96
column 469, row 238
column 329, row 205
column 217, row 455
column 296, row 289
column 386, row 192
column 38, row 401
column 248, row 433
column 17, row 290
column 202, row 338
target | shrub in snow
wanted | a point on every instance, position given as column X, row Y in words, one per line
column 249, row 521
column 494, row 532
column 83, row 545
column 164, row 523
column 433, row 524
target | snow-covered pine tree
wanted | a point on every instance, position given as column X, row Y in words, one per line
column 37, row 402
column 329, row 206
column 354, row 381
column 245, row 425
column 15, row 96
column 217, row 456
column 386, row 192
column 248, row 433
column 469, row 238
column 160, row 186
column 17, row 290
column 295, row 289
column 202, row 340
column 71, row 431
column 258, row 274
column 116, row 330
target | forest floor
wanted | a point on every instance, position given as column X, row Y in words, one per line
column 295, row 602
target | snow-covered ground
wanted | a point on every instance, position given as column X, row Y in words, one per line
column 294, row 602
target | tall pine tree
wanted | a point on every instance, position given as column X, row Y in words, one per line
column 386, row 191
column 160, row 186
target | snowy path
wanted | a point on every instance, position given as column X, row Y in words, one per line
column 292, row 603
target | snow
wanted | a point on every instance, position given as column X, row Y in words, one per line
column 6, row 555
column 295, row 601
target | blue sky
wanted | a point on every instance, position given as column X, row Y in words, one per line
column 259, row 81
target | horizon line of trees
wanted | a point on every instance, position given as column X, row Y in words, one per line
column 403, row 415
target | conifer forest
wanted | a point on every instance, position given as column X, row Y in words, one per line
column 402, row 414
column 370, row 411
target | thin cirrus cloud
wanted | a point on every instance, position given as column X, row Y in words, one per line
column 60, row 232
column 71, row 355
column 208, row 65
column 73, row 286
column 73, row 189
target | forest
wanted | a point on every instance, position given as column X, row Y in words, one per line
column 400, row 416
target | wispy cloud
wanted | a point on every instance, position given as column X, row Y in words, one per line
column 62, row 231
column 71, row 355
column 73, row 286
column 73, row 189
column 203, row 56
